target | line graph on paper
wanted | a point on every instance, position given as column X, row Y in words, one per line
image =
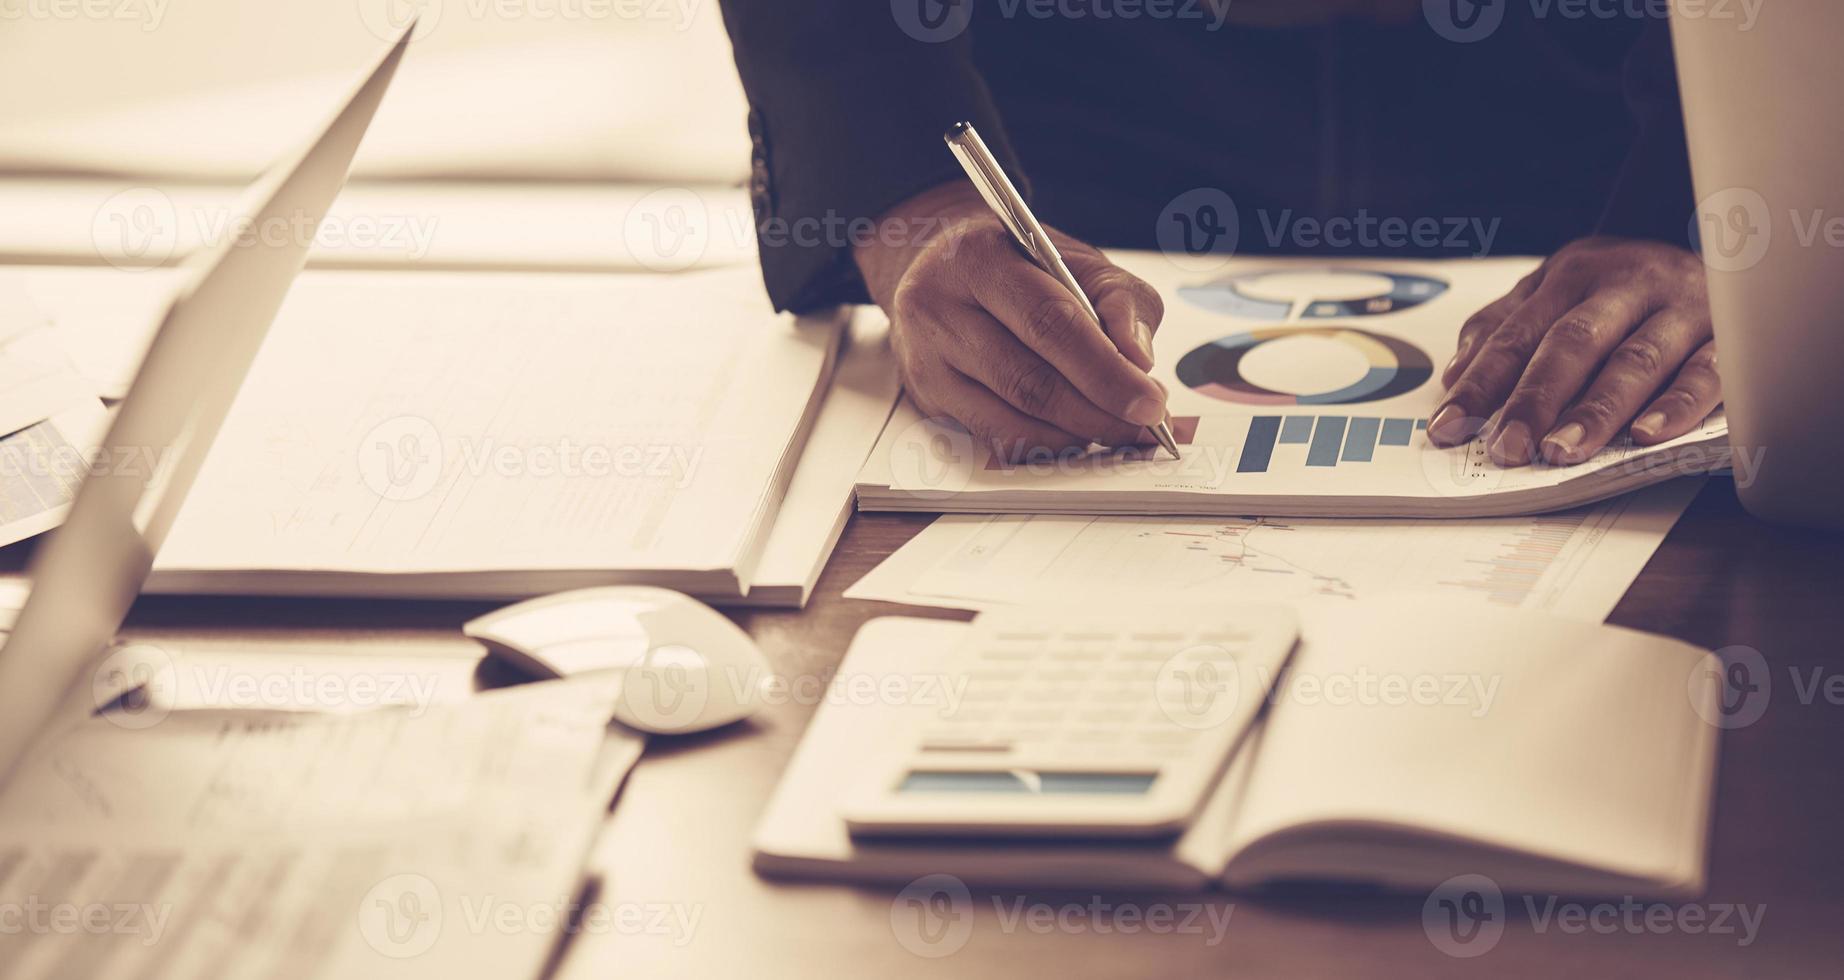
column 1538, row 562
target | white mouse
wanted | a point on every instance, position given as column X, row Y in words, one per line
column 686, row 667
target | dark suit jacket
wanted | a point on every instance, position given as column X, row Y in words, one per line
column 1545, row 130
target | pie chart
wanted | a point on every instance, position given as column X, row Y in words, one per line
column 1313, row 294
column 1305, row 366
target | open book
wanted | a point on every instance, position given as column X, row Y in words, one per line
column 1297, row 389
column 1406, row 744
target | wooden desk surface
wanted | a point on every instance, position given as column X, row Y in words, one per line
column 677, row 844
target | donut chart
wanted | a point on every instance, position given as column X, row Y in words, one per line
column 1396, row 367
column 1242, row 295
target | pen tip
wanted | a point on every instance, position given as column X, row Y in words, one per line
column 1163, row 433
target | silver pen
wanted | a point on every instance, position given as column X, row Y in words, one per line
column 984, row 170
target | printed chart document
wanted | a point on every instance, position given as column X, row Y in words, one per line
column 395, row 843
column 1297, row 389
column 506, row 436
column 1576, row 563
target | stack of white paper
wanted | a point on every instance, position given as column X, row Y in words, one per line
column 505, row 436
column 404, row 842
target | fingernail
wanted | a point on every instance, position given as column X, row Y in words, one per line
column 1445, row 426
column 1142, row 335
column 1563, row 442
column 1146, row 411
column 1649, row 425
column 1512, row 444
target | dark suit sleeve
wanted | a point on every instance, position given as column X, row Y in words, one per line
column 846, row 114
column 1653, row 196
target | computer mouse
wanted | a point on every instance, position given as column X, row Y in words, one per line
column 686, row 668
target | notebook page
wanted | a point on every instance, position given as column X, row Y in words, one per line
column 438, row 423
column 1577, row 742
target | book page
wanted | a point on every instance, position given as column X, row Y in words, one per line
column 1573, row 742
column 438, row 423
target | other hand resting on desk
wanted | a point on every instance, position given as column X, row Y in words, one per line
column 1582, row 347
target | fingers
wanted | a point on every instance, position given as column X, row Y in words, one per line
column 1691, row 398
column 1637, row 368
column 1481, row 324
column 1565, row 359
column 1002, row 363
column 1130, row 308
column 1498, row 362
column 1048, row 320
column 1010, row 434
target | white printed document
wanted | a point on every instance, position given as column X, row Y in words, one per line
column 1297, row 389
column 503, row 436
column 401, row 842
column 1577, row 563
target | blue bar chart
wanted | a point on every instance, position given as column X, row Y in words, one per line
column 1329, row 439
